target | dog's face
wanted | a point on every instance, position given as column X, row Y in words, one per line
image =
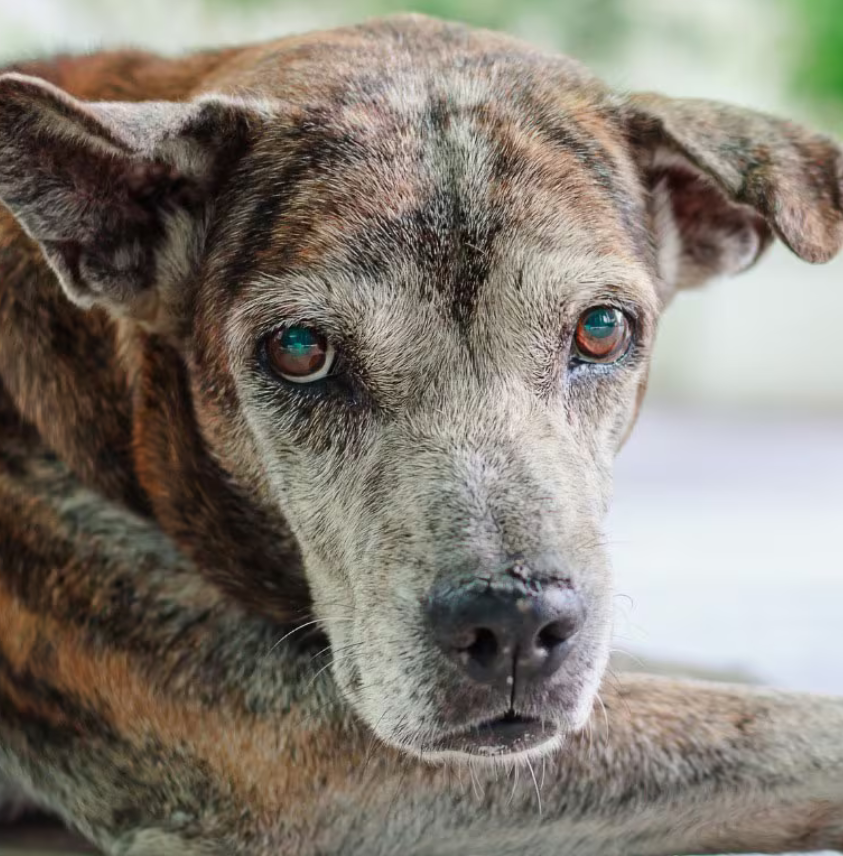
column 416, row 290
column 436, row 395
column 437, row 357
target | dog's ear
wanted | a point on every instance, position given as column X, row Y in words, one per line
column 118, row 195
column 724, row 180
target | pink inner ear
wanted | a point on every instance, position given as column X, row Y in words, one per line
column 712, row 235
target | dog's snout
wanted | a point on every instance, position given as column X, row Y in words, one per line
column 502, row 635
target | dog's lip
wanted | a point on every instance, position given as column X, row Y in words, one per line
column 503, row 735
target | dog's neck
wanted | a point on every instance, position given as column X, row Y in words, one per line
column 114, row 403
column 244, row 545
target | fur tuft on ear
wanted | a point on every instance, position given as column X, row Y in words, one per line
column 118, row 195
column 724, row 180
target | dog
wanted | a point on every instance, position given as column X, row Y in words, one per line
column 315, row 357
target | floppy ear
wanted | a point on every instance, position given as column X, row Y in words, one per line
column 724, row 180
column 118, row 195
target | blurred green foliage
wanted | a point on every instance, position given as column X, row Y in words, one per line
column 596, row 30
column 818, row 68
column 590, row 29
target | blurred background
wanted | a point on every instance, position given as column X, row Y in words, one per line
column 727, row 528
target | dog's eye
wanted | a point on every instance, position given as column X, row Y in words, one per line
column 603, row 335
column 300, row 354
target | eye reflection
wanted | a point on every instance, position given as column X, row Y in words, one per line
column 300, row 354
column 603, row 335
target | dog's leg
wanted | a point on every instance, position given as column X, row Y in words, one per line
column 674, row 767
column 158, row 718
column 684, row 767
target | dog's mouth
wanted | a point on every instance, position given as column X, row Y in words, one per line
column 509, row 734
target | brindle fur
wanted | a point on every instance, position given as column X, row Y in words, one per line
column 444, row 202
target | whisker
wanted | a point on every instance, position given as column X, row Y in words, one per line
column 320, row 653
column 398, row 788
column 590, row 732
column 372, row 743
column 475, row 784
column 605, row 716
column 295, row 630
column 312, row 681
column 535, row 784
column 515, row 772
column 637, row 660
column 621, row 596
column 612, row 676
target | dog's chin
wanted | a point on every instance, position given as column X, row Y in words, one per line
column 506, row 738
column 533, row 729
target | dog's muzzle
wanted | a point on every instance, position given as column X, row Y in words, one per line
column 511, row 637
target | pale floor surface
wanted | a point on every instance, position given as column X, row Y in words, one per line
column 727, row 538
column 727, row 535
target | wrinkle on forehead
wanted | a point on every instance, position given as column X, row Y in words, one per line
column 486, row 141
column 438, row 186
column 485, row 160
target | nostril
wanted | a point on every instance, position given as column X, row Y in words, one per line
column 489, row 631
column 556, row 633
column 484, row 649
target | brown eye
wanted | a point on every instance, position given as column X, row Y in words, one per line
column 603, row 335
column 300, row 354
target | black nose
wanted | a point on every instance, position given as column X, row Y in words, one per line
column 500, row 634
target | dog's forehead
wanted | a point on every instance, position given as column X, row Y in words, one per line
column 440, row 178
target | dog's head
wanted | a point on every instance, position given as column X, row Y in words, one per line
column 414, row 271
